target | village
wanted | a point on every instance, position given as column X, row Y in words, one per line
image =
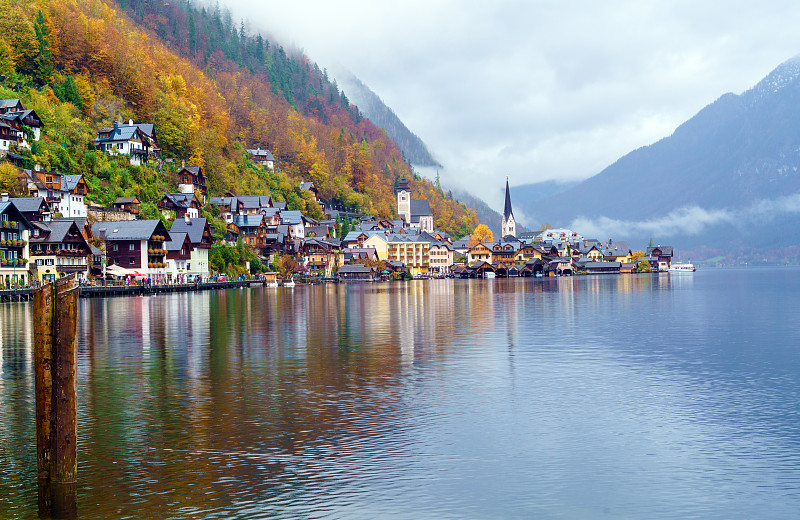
column 55, row 231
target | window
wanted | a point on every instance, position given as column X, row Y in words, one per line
column 131, row 260
column 116, row 247
column 131, row 247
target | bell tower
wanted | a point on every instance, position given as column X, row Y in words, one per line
column 403, row 199
column 508, row 226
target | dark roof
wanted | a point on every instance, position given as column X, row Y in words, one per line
column 261, row 153
column 355, row 268
column 248, row 220
column 9, row 103
column 181, row 200
column 420, row 208
column 124, row 200
column 194, row 170
column 177, row 241
column 665, row 250
column 29, row 204
column 126, row 229
column 507, row 210
column 12, row 211
column 602, row 265
column 70, row 182
column 194, row 228
column 118, row 133
column 55, row 231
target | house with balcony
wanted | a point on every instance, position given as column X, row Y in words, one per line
column 179, row 205
column 192, row 180
column 14, row 247
column 34, row 209
column 322, row 256
column 134, row 247
column 22, row 124
column 262, row 157
column 58, row 248
column 136, row 140
column 479, row 253
column 252, row 230
column 198, row 233
column 64, row 193
column 129, row 204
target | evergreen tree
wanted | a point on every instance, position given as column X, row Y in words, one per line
column 43, row 66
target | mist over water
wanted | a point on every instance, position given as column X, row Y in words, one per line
column 584, row 397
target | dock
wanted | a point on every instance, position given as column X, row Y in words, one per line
column 102, row 291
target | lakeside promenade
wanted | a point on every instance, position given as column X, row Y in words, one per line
column 116, row 289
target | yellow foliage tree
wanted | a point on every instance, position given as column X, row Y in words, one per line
column 482, row 234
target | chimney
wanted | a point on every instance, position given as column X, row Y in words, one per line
column 183, row 163
column 130, row 122
column 116, row 125
column 4, row 197
column 187, row 219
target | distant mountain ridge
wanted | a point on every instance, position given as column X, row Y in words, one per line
column 733, row 163
column 373, row 107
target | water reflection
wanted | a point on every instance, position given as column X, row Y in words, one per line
column 604, row 396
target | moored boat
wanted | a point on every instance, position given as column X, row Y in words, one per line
column 682, row 267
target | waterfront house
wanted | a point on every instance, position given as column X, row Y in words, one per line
column 618, row 252
column 481, row 268
column 479, row 253
column 602, row 267
column 179, row 250
column 64, row 193
column 412, row 250
column 357, row 273
column 662, row 256
column 252, row 230
column 136, row 247
column 14, row 248
column 199, row 234
column 179, row 205
column 505, row 252
column 560, row 266
column 322, row 256
column 58, row 248
column 441, row 256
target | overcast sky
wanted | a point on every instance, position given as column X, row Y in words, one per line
column 538, row 90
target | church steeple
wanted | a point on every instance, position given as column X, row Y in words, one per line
column 509, row 227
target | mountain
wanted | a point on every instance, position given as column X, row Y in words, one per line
column 212, row 89
column 730, row 174
column 376, row 111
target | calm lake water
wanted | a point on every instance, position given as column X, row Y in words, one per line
column 588, row 397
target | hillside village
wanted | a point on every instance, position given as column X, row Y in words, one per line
column 54, row 231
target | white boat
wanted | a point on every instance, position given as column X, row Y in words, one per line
column 272, row 284
column 288, row 283
column 682, row 267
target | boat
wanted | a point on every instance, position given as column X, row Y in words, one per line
column 288, row 283
column 682, row 267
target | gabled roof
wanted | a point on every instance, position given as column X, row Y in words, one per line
column 127, row 229
column 126, row 200
column 248, row 220
column 70, row 182
column 29, row 204
column 292, row 217
column 180, row 200
column 119, row 133
column 7, row 103
column 8, row 208
column 55, row 231
column 261, row 153
column 177, row 241
column 194, row 170
column 194, row 228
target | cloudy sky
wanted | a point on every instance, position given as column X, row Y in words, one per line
column 538, row 90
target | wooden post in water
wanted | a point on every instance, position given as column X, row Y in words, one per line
column 55, row 310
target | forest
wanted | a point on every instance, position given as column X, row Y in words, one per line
column 212, row 89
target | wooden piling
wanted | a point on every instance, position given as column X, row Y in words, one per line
column 43, row 376
column 55, row 309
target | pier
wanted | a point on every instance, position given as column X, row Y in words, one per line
column 117, row 289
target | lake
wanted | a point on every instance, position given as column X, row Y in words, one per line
column 641, row 396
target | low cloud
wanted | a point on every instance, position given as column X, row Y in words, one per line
column 688, row 221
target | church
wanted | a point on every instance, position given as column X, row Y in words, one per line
column 508, row 226
column 416, row 213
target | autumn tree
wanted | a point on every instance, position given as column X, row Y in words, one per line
column 481, row 235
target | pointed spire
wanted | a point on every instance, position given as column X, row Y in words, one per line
column 507, row 212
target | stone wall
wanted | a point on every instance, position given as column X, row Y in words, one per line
column 101, row 214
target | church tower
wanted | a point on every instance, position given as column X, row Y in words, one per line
column 508, row 225
column 403, row 199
